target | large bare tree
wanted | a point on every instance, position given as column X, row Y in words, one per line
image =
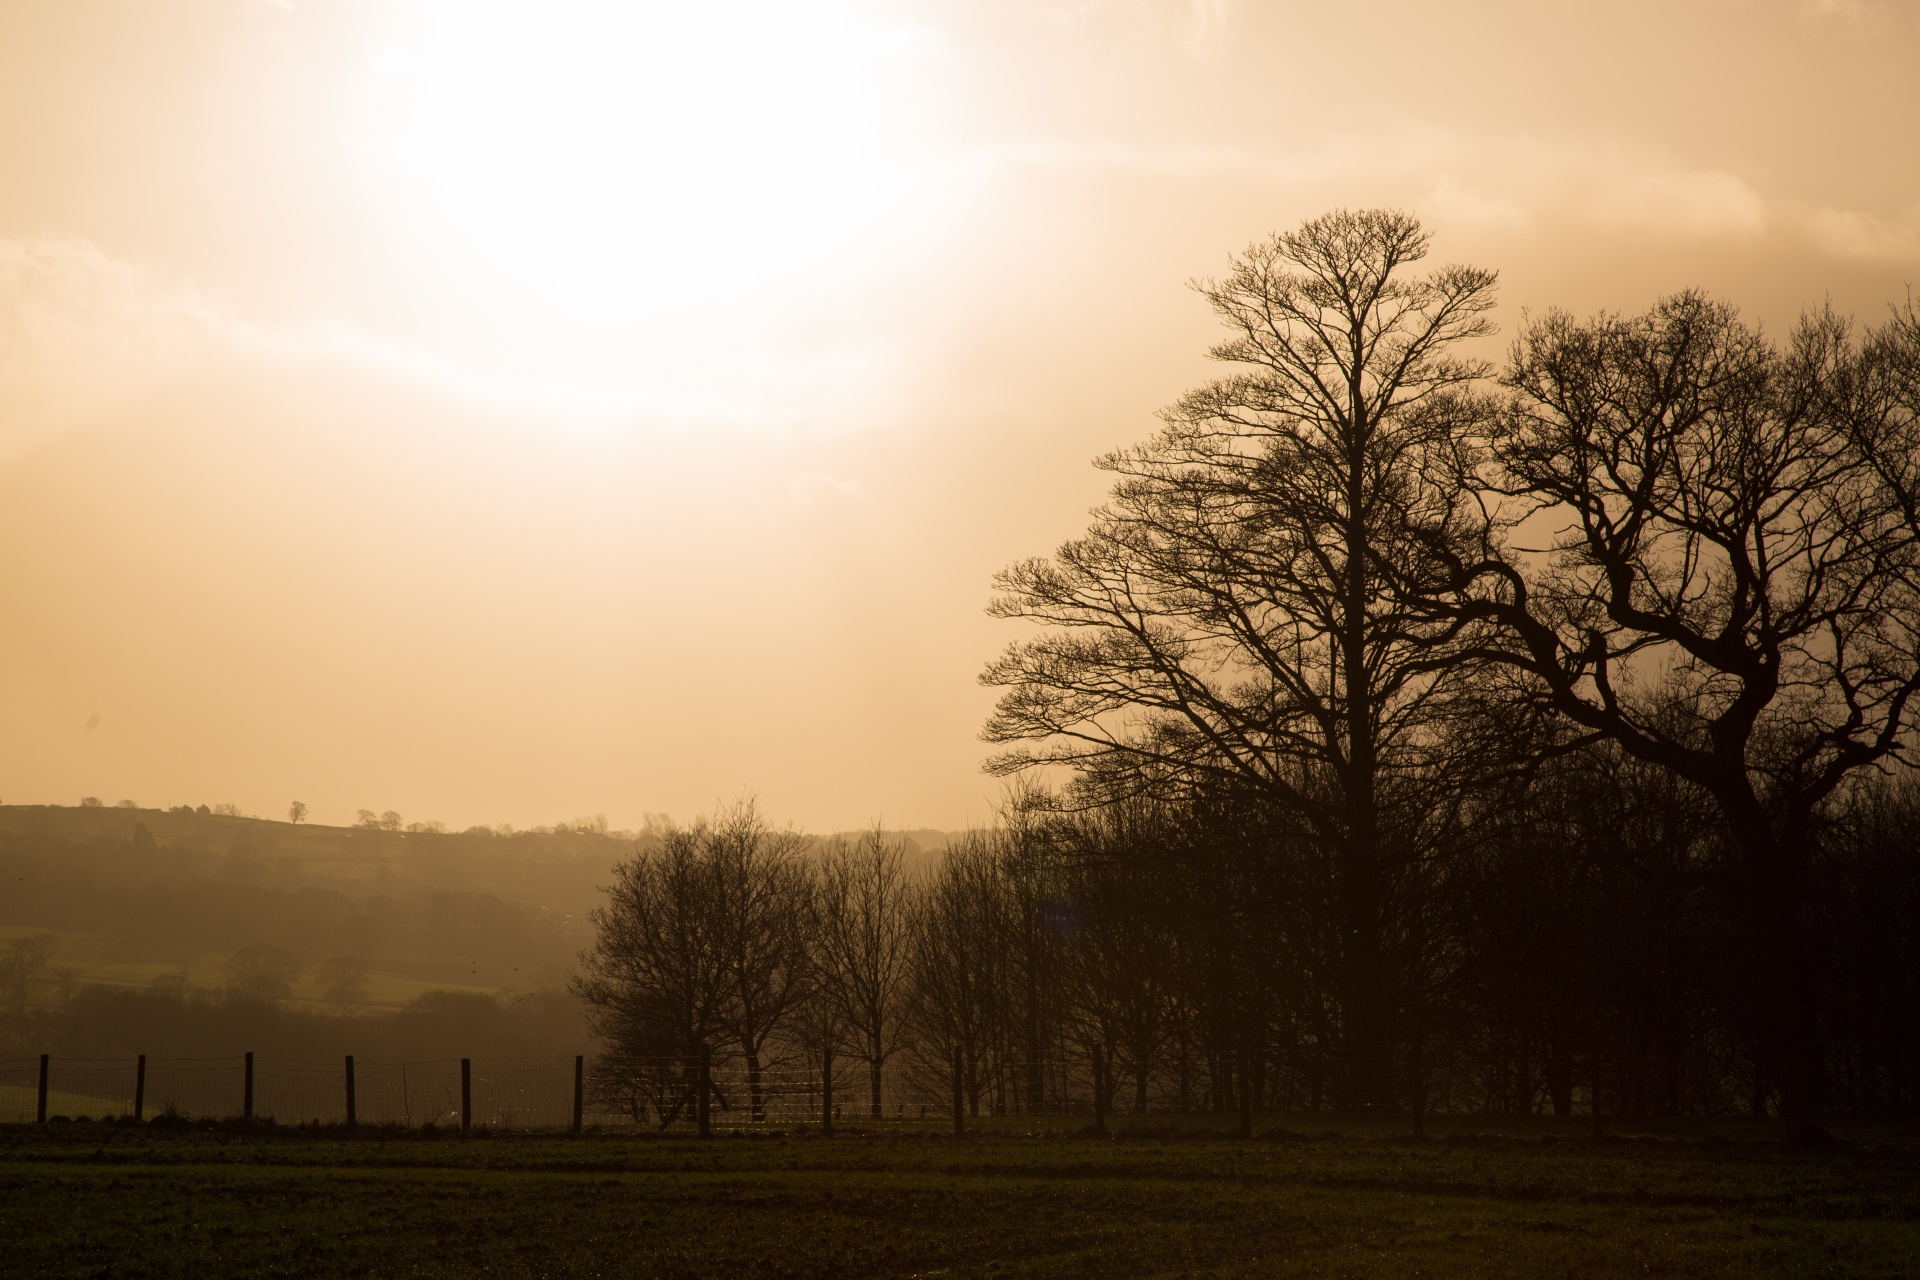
column 1732, row 529
column 1236, row 613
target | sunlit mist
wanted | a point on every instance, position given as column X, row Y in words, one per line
column 506, row 411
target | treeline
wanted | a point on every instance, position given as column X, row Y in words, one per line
column 1582, row 931
column 1424, row 731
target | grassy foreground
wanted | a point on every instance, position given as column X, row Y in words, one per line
column 1532, row 1200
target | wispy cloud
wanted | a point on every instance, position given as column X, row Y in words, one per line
column 818, row 488
column 1866, row 237
column 1509, row 180
column 1852, row 12
column 83, row 334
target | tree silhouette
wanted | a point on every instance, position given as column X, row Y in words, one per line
column 1236, row 613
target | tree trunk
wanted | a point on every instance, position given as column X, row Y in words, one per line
column 756, row 1103
column 1783, row 996
column 1560, row 1082
column 873, row 1085
column 1369, row 1083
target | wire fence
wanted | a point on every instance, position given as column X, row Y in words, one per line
column 566, row 1091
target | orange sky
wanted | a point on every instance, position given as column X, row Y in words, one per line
column 500, row 413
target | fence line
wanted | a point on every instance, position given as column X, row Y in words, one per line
column 562, row 1092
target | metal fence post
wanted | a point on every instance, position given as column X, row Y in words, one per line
column 246, row 1091
column 353, row 1113
column 959, row 1101
column 826, row 1092
column 702, row 1107
column 579, row 1089
column 43, row 1088
column 140, row 1087
column 466, row 1095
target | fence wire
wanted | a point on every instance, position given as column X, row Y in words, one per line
column 540, row 1092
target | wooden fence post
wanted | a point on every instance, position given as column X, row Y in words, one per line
column 703, row 1109
column 246, row 1091
column 1246, row 1096
column 579, row 1089
column 1599, row 1119
column 1100, row 1091
column 353, row 1112
column 466, row 1095
column 43, row 1088
column 140, row 1087
column 826, row 1091
column 959, row 1100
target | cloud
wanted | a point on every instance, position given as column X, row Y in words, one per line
column 1202, row 27
column 1507, row 180
column 1854, row 13
column 82, row 333
column 819, row 488
column 1862, row 236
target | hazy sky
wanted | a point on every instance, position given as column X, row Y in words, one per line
column 504, row 412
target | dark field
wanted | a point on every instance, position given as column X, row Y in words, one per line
column 1532, row 1200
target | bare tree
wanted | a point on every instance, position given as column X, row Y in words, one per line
column 1120, row 962
column 655, row 983
column 958, row 966
column 761, row 911
column 863, row 908
column 1237, row 611
column 297, row 812
column 1734, row 530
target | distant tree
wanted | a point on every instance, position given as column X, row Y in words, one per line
column 390, row 820
column 228, row 810
column 126, row 804
column 344, row 982
column 1736, row 533
column 23, row 960
column 863, row 908
column 262, row 971
column 297, row 812
column 1236, row 613
column 367, row 818
column 90, row 802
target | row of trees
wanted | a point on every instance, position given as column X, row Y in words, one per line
column 1368, row 583
column 1420, row 729
column 1576, row 942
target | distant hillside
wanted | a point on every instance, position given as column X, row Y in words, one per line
column 130, row 896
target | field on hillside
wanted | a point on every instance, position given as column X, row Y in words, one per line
column 1527, row 1200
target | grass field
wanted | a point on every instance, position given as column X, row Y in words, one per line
column 101, row 960
column 1530, row 1200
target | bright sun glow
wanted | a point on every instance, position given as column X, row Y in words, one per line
column 624, row 164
